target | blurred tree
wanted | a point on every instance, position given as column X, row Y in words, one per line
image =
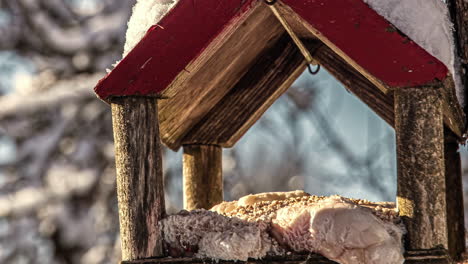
column 58, row 202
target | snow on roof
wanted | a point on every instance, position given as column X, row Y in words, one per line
column 146, row 13
column 426, row 22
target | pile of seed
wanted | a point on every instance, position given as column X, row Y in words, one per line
column 270, row 224
column 264, row 211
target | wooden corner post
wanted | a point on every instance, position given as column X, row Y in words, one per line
column 140, row 187
column 454, row 185
column 203, row 176
column 421, row 192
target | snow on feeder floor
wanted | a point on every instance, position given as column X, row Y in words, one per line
column 275, row 224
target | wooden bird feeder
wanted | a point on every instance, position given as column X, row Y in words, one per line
column 207, row 72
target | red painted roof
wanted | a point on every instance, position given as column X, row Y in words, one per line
column 168, row 47
column 351, row 25
column 371, row 41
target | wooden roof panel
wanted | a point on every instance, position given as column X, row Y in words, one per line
column 210, row 57
column 170, row 46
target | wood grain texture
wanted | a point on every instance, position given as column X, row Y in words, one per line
column 272, row 74
column 270, row 77
column 354, row 81
column 140, row 187
column 435, row 256
column 202, row 176
column 292, row 259
column 454, row 117
column 192, row 97
column 454, row 186
column 229, row 120
column 428, row 256
column 381, row 103
column 459, row 14
column 421, row 192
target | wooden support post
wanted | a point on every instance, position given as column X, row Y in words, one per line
column 203, row 176
column 421, row 196
column 140, row 186
column 453, row 181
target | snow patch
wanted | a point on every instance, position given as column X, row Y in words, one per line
column 146, row 13
column 426, row 22
column 208, row 234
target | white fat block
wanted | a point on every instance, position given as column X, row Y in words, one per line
column 344, row 230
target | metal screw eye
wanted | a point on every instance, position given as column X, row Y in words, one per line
column 316, row 70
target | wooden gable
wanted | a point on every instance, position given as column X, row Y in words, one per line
column 220, row 64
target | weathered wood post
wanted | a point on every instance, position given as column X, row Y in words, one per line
column 203, row 176
column 454, row 185
column 140, row 187
column 421, row 196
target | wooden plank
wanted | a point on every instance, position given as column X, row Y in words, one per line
column 435, row 256
column 454, row 116
column 190, row 99
column 272, row 74
column 270, row 77
column 354, row 81
column 427, row 256
column 459, row 14
column 202, row 176
column 359, row 35
column 291, row 259
column 421, row 192
column 248, row 98
column 454, row 186
column 140, row 189
column 312, row 20
column 382, row 103
column 167, row 49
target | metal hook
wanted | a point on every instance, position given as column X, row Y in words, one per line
column 270, row 2
column 316, row 70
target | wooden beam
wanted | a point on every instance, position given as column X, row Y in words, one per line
column 412, row 257
column 140, row 186
column 454, row 186
column 421, row 192
column 272, row 74
column 459, row 14
column 291, row 259
column 354, row 81
column 202, row 176
column 218, row 69
column 349, row 36
column 382, row 103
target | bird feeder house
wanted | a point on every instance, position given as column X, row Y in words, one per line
column 209, row 69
